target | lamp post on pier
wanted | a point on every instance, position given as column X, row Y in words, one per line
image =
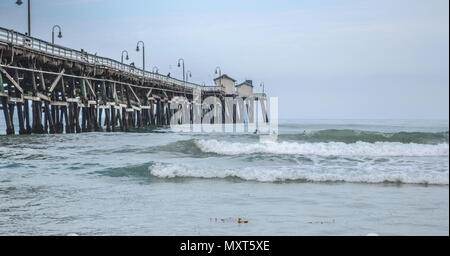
column 155, row 68
column 126, row 57
column 53, row 33
column 143, row 58
column 262, row 85
column 179, row 65
column 19, row 2
column 187, row 76
column 218, row 71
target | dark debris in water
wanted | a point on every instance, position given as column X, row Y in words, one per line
column 322, row 222
column 229, row 220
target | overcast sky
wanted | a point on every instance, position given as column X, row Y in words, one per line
column 323, row 59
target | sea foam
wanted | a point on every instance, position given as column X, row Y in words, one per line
column 304, row 174
column 377, row 149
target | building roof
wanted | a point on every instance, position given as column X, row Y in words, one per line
column 224, row 76
column 244, row 83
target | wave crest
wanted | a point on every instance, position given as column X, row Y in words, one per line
column 299, row 174
column 352, row 136
column 378, row 149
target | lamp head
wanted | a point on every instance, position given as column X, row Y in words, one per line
column 127, row 57
column 137, row 48
column 179, row 64
column 59, row 34
column 18, row 2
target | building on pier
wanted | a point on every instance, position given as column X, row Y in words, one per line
column 226, row 82
column 245, row 89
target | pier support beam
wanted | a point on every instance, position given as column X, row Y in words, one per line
column 19, row 104
column 4, row 101
column 37, row 108
column 113, row 119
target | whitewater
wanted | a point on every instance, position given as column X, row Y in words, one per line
column 376, row 149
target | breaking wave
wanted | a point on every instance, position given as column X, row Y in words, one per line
column 377, row 149
column 303, row 174
column 331, row 156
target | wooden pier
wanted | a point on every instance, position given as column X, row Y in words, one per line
column 54, row 89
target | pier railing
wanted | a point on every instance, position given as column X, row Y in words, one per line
column 16, row 38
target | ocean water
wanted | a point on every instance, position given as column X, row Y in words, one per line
column 322, row 177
